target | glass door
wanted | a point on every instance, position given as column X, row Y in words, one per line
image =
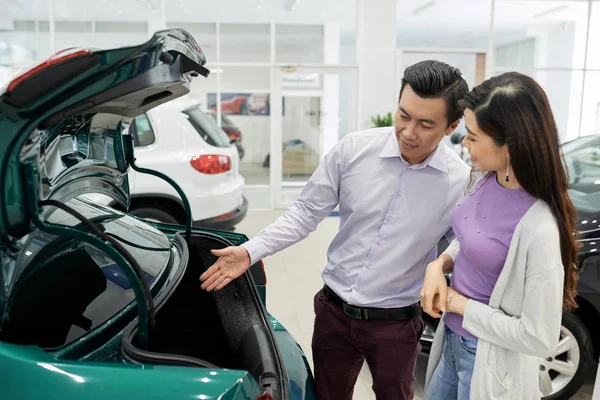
column 317, row 107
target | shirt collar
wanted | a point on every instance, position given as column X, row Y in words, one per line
column 437, row 159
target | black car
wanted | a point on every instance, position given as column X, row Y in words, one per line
column 563, row 374
column 231, row 129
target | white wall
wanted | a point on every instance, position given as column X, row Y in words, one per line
column 376, row 49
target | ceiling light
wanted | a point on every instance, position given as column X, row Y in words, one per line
column 551, row 11
column 423, row 7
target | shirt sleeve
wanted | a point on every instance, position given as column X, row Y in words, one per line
column 319, row 197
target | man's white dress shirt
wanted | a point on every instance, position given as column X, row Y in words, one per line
column 392, row 216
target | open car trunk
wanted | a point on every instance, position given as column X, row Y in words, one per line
column 225, row 329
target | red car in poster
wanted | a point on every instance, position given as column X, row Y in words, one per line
column 235, row 105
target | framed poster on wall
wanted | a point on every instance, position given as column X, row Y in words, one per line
column 241, row 103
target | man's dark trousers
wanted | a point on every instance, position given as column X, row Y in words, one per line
column 341, row 344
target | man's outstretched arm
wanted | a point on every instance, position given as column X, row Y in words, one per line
column 318, row 198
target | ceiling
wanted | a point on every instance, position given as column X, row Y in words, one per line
column 424, row 23
column 465, row 24
column 286, row 11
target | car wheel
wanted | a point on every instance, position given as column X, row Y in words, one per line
column 154, row 215
column 563, row 374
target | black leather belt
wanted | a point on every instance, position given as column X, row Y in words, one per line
column 368, row 313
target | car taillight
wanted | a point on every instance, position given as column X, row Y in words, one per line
column 235, row 135
column 225, row 216
column 211, row 164
column 58, row 58
column 264, row 396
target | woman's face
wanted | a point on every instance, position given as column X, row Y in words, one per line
column 485, row 154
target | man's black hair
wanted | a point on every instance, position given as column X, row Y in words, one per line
column 437, row 80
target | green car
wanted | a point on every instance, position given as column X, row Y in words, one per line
column 96, row 303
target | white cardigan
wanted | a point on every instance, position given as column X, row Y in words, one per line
column 522, row 321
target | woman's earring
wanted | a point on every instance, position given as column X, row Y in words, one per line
column 507, row 169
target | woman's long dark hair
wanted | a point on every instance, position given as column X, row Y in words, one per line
column 514, row 110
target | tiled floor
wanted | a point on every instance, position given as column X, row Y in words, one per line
column 294, row 276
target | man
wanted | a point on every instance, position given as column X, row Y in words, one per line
column 396, row 189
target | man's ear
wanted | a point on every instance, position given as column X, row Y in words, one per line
column 452, row 127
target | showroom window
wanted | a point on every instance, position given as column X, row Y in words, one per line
column 261, row 50
column 553, row 41
column 248, row 46
column 547, row 41
column 246, row 101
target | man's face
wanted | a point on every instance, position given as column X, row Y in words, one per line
column 420, row 125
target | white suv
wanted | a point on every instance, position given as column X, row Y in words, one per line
column 184, row 143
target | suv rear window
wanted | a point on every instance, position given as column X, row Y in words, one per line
column 207, row 127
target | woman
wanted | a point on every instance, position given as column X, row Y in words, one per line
column 514, row 257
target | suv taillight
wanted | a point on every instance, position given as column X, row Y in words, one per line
column 211, row 163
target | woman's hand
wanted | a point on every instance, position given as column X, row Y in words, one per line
column 456, row 302
column 435, row 289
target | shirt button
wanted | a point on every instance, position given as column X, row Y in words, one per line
column 398, row 193
column 369, row 266
column 379, row 243
column 389, row 219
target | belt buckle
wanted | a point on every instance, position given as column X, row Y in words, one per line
column 352, row 312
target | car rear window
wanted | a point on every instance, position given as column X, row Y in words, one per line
column 207, row 128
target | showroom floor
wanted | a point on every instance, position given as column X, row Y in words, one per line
column 294, row 276
column 256, row 174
